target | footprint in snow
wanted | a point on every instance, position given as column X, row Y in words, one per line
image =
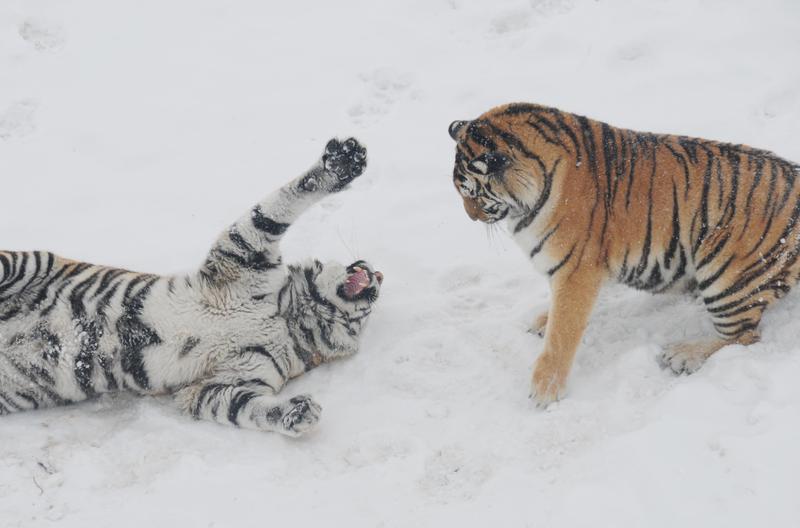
column 523, row 18
column 451, row 474
column 383, row 88
column 42, row 34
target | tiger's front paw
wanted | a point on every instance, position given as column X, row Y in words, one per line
column 301, row 416
column 539, row 324
column 343, row 162
column 549, row 381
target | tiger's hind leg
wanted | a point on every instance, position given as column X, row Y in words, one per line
column 249, row 407
column 688, row 357
column 736, row 314
column 30, row 385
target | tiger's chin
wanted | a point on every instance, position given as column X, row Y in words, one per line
column 490, row 215
column 493, row 218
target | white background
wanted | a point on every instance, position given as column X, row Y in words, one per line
column 132, row 132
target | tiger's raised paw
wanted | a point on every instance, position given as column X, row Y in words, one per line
column 344, row 161
column 302, row 415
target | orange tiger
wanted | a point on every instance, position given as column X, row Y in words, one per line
column 589, row 203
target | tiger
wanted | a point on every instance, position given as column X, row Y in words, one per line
column 223, row 340
column 590, row 204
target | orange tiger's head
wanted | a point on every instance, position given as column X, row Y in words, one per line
column 501, row 168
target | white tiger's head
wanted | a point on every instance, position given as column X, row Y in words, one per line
column 333, row 302
column 356, row 285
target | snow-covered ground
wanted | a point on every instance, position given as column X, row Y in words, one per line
column 132, row 132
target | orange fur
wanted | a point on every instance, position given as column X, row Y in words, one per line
column 590, row 202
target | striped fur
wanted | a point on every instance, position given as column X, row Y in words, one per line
column 588, row 202
column 224, row 340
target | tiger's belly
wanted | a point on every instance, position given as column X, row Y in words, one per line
column 57, row 358
column 656, row 270
column 50, row 362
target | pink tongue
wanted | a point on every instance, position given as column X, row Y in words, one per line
column 356, row 283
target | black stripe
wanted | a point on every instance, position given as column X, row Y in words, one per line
column 648, row 240
column 239, row 241
column 189, row 345
column 680, row 272
column 67, row 281
column 609, row 142
column 759, row 172
column 567, row 129
column 552, row 271
column 541, row 243
column 11, row 313
column 741, row 309
column 550, row 136
column 761, row 238
column 27, row 396
column 35, row 274
column 6, row 263
column 105, row 282
column 684, row 165
column 134, row 335
column 716, row 275
column 89, row 343
column 676, row 229
column 588, row 142
column 742, row 329
column 209, row 391
column 10, row 402
column 477, row 137
column 703, row 226
column 632, row 169
column 260, row 350
column 266, row 224
column 17, row 273
column 309, row 359
column 540, row 202
column 78, row 292
column 238, row 402
column 714, row 252
column 773, row 181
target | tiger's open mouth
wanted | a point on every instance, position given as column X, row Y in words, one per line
column 361, row 284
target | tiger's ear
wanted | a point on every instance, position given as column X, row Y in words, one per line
column 489, row 163
column 455, row 126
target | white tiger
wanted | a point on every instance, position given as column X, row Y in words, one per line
column 224, row 340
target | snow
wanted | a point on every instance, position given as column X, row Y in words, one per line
column 131, row 133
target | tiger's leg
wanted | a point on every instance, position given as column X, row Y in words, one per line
column 253, row 242
column 32, row 383
column 735, row 311
column 687, row 358
column 573, row 298
column 249, row 406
